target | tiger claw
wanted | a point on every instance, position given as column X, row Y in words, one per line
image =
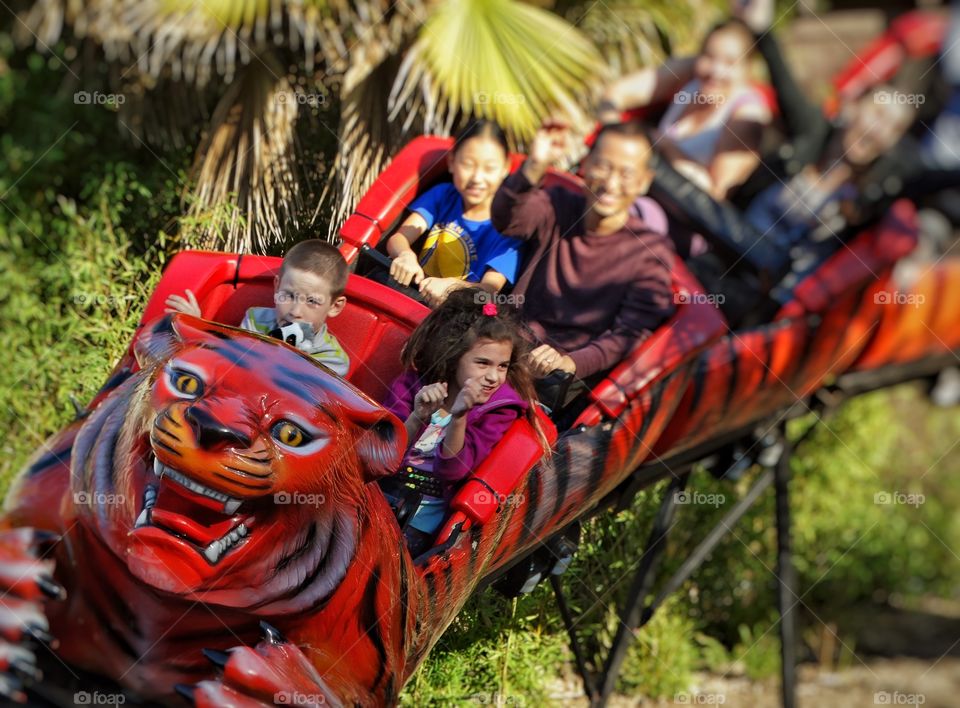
column 50, row 587
column 26, row 670
column 219, row 658
column 271, row 633
column 41, row 634
column 186, row 691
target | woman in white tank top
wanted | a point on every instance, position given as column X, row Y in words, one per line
column 712, row 130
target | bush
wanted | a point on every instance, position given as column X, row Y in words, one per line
column 82, row 244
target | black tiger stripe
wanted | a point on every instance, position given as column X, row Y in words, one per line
column 561, row 468
column 699, row 378
column 246, row 473
column 290, row 387
column 813, row 323
column 304, row 379
column 734, row 378
column 390, row 690
column 599, row 463
column 56, row 457
column 839, row 342
column 237, row 358
column 161, row 429
column 299, row 551
column 164, row 446
column 656, row 396
column 106, row 623
column 229, row 340
column 115, row 380
column 530, row 514
column 371, row 624
column 767, row 355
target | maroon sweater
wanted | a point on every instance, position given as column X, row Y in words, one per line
column 592, row 297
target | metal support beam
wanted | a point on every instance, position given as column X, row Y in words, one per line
column 568, row 622
column 786, row 577
column 709, row 542
column 642, row 584
column 635, row 614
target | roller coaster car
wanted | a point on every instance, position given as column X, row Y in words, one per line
column 377, row 319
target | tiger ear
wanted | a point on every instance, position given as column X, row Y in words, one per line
column 156, row 344
column 380, row 444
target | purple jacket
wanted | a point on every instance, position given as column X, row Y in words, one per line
column 486, row 425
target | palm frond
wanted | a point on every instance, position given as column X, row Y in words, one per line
column 631, row 34
column 367, row 134
column 250, row 157
column 499, row 59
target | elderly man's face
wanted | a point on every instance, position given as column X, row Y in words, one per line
column 616, row 172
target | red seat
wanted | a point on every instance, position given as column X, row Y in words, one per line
column 914, row 34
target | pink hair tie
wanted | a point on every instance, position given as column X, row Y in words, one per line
column 490, row 309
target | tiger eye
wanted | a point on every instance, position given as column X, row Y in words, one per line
column 186, row 383
column 289, row 434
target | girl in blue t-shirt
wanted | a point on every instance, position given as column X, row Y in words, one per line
column 461, row 247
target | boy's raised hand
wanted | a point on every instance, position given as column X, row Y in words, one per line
column 187, row 305
column 467, row 398
column 428, row 400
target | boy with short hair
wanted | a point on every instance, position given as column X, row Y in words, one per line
column 309, row 289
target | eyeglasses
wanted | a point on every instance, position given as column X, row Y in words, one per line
column 604, row 170
column 286, row 297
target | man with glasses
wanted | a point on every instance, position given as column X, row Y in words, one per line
column 596, row 279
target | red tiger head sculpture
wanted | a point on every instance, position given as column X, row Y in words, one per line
column 231, row 468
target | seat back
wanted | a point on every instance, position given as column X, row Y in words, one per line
column 913, row 35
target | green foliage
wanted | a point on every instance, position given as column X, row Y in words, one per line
column 81, row 247
column 494, row 653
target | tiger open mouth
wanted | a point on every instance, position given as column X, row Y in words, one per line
column 211, row 521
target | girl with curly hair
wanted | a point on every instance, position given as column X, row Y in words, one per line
column 465, row 385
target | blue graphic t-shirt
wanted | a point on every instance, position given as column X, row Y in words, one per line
column 456, row 247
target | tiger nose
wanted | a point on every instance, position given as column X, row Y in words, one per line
column 212, row 434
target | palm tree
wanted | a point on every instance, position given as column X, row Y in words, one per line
column 263, row 76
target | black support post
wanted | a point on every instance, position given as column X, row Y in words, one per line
column 642, row 584
column 786, row 577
